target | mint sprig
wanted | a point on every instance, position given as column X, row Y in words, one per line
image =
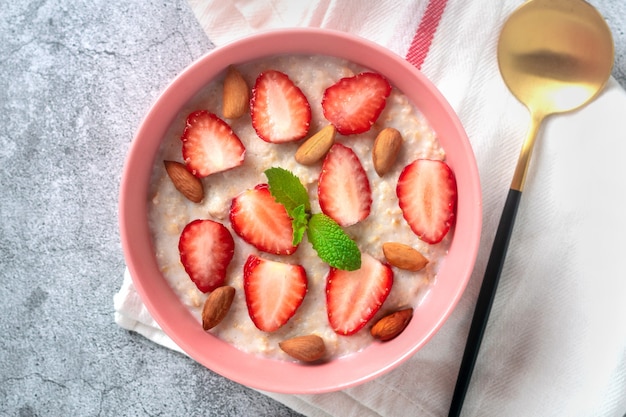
column 329, row 240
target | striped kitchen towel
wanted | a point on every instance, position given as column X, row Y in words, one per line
column 556, row 341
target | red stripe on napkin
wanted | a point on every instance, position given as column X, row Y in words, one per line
column 425, row 32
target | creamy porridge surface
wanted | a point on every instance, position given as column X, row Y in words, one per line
column 170, row 211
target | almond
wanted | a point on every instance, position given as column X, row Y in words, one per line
column 236, row 94
column 391, row 325
column 404, row 256
column 216, row 306
column 307, row 348
column 315, row 147
column 184, row 181
column 386, row 148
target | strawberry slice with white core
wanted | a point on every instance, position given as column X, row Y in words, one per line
column 273, row 290
column 353, row 104
column 262, row 222
column 344, row 190
column 427, row 195
column 279, row 109
column 206, row 248
column 210, row 145
column 354, row 297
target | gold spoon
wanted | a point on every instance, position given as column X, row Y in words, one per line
column 555, row 56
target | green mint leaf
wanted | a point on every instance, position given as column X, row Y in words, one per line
column 287, row 189
column 332, row 244
column 299, row 222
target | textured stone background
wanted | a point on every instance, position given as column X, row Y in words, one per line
column 76, row 78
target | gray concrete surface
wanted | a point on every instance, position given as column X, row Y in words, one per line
column 76, row 78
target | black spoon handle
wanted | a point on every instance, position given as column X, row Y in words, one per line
column 485, row 300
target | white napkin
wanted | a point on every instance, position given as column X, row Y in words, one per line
column 556, row 341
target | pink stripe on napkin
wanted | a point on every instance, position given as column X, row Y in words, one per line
column 418, row 50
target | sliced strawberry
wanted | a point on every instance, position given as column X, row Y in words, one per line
column 210, row 145
column 353, row 104
column 206, row 248
column 280, row 111
column 262, row 222
column 344, row 190
column 274, row 291
column 427, row 195
column 354, row 297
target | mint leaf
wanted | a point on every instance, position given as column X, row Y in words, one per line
column 287, row 189
column 332, row 244
column 299, row 221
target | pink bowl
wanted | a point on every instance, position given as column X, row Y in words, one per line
column 269, row 374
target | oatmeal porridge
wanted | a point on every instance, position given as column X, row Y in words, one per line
column 170, row 211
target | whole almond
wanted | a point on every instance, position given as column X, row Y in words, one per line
column 236, row 94
column 386, row 148
column 184, row 181
column 315, row 147
column 217, row 306
column 391, row 325
column 404, row 256
column 307, row 348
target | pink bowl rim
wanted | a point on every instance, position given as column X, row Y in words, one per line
column 268, row 374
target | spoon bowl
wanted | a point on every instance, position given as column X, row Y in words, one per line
column 555, row 56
